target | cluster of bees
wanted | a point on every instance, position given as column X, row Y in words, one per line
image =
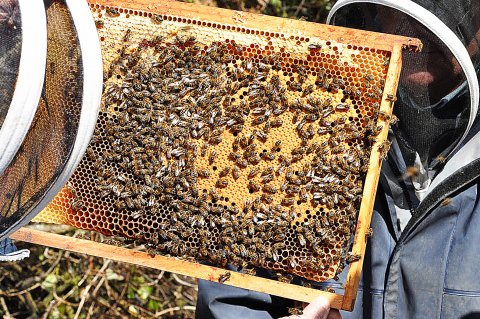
column 166, row 105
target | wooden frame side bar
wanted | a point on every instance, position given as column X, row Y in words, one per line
column 240, row 19
column 170, row 264
column 371, row 183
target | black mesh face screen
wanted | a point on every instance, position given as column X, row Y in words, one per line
column 10, row 49
column 49, row 142
column 433, row 98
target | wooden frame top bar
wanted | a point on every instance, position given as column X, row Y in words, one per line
column 268, row 23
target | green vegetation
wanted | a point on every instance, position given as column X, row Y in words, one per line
column 59, row 284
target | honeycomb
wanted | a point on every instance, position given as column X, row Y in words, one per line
column 48, row 143
column 228, row 144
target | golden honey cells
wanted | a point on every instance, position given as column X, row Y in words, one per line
column 229, row 145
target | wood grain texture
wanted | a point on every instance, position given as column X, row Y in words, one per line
column 267, row 23
column 170, row 264
column 371, row 183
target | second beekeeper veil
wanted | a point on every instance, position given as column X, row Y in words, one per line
column 64, row 119
column 438, row 90
column 23, row 48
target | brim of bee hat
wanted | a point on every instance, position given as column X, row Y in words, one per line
column 23, row 49
column 59, row 137
column 451, row 90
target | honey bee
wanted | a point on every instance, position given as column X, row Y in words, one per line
column 447, row 201
column 259, row 120
column 267, row 171
column 375, row 131
column 267, row 156
column 253, row 187
column 212, row 157
column 112, row 12
column 221, row 183
column 236, row 143
column 297, row 157
column 308, row 89
column 237, row 128
column 341, row 107
column 386, row 61
column 224, row 172
column 242, row 163
column 391, row 98
column 268, row 199
column 383, row 116
column 254, row 159
column 157, row 19
column 369, row 78
column 286, row 278
column 215, row 140
column 236, row 173
column 261, row 135
column 203, row 149
column 267, row 178
column 203, row 173
column 410, row 172
column 213, row 194
column 99, row 24
column 303, row 195
column 253, row 172
column 441, row 159
column 292, row 262
column 76, row 204
column 301, row 241
column 287, row 201
column 383, row 149
column 224, row 277
column 270, row 189
column 351, row 257
column 393, row 119
column 294, row 311
column 250, row 271
column 276, row 123
column 127, row 35
column 369, row 232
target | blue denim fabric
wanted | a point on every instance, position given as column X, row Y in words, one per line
column 7, row 246
column 8, row 251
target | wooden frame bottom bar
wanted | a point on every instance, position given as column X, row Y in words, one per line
column 171, row 264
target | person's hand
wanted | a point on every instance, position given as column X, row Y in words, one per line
column 318, row 309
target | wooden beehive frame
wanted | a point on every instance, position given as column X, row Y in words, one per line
column 393, row 44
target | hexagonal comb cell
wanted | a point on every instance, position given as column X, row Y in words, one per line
column 228, row 144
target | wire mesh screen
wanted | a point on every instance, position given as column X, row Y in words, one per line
column 433, row 93
column 47, row 146
column 11, row 40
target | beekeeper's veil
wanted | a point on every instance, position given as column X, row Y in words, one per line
column 23, row 48
column 53, row 64
column 438, row 89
